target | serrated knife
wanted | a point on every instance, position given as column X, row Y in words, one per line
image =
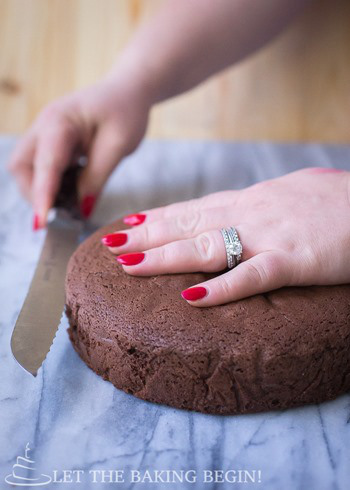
column 43, row 307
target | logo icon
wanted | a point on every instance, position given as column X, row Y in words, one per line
column 24, row 473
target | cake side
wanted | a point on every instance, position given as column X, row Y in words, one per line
column 285, row 348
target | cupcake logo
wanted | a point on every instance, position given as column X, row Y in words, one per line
column 24, row 473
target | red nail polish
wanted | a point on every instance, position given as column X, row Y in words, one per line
column 131, row 259
column 192, row 294
column 134, row 219
column 36, row 222
column 87, row 205
column 114, row 239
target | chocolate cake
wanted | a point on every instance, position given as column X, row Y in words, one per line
column 277, row 350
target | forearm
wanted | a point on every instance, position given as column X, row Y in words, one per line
column 187, row 41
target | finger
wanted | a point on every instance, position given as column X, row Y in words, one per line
column 23, row 153
column 104, row 156
column 53, row 154
column 264, row 272
column 168, row 230
column 217, row 199
column 206, row 252
column 24, row 181
column 21, row 163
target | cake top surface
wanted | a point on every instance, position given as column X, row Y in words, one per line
column 151, row 309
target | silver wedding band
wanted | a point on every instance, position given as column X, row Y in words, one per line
column 233, row 246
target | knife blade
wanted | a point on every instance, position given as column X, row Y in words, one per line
column 43, row 307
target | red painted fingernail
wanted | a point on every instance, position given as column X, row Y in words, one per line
column 36, row 222
column 134, row 219
column 131, row 259
column 87, row 205
column 192, row 294
column 114, row 239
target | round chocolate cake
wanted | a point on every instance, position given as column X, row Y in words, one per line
column 277, row 350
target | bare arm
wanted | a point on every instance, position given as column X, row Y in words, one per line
column 187, row 41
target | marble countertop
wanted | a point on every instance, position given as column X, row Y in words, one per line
column 73, row 420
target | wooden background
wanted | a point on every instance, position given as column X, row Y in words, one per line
column 297, row 88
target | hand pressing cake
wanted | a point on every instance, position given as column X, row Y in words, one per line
column 277, row 350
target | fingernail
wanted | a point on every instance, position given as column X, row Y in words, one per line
column 131, row 259
column 36, row 222
column 192, row 294
column 114, row 239
column 134, row 219
column 87, row 205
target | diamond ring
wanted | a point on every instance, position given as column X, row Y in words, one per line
column 233, row 246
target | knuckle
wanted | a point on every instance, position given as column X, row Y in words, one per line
column 290, row 246
column 194, row 205
column 267, row 184
column 167, row 253
column 49, row 113
column 286, row 244
column 204, row 248
column 260, row 272
column 188, row 223
column 56, row 132
column 273, row 269
column 225, row 286
column 308, row 261
column 271, row 266
column 18, row 161
column 255, row 274
column 145, row 237
column 261, row 191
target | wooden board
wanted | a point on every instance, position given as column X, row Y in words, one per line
column 298, row 88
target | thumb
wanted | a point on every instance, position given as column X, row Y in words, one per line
column 105, row 154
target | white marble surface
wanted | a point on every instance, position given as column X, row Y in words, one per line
column 74, row 420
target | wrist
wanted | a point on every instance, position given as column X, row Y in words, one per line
column 133, row 77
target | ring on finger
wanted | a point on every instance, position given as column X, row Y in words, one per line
column 233, row 245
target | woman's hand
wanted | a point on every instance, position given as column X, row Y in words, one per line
column 295, row 231
column 104, row 122
column 163, row 59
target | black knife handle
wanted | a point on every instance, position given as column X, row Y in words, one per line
column 67, row 197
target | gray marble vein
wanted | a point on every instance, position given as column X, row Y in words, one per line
column 73, row 420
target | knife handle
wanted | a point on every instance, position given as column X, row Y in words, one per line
column 67, row 197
